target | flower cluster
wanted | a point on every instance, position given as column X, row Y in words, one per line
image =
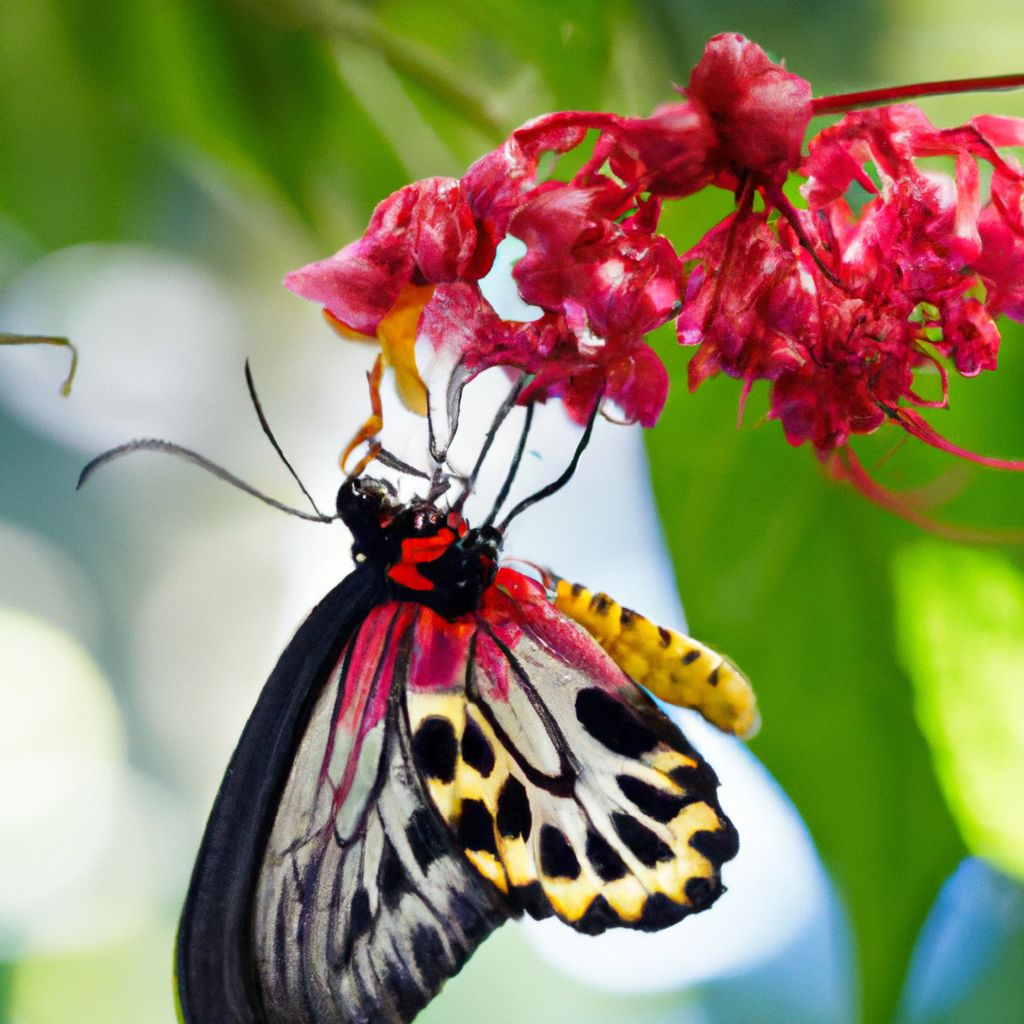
column 888, row 265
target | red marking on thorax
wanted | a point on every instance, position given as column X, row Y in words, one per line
column 416, row 550
column 458, row 524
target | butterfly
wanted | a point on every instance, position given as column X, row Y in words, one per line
column 445, row 745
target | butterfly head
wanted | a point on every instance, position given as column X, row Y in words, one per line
column 424, row 553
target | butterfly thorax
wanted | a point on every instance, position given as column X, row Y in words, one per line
column 422, row 553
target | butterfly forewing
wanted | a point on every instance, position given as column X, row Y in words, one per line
column 215, row 977
column 367, row 914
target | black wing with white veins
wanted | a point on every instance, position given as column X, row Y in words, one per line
column 364, row 907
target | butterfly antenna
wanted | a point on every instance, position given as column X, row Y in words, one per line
column 502, row 414
column 251, row 385
column 155, row 445
column 556, row 485
column 513, row 468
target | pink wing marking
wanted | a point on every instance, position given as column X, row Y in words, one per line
column 520, row 603
column 367, row 672
column 440, row 651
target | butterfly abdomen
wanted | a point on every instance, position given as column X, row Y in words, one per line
column 678, row 669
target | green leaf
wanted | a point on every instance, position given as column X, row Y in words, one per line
column 961, row 630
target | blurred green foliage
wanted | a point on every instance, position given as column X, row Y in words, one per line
column 961, row 632
column 264, row 132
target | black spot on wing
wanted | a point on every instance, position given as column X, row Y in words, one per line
column 514, row 817
column 476, row 751
column 698, row 780
column 598, row 917
column 713, row 677
column 613, row 724
column 642, row 842
column 403, row 990
column 660, row 911
column 604, row 858
column 702, row 892
column 470, row 918
column 392, row 880
column 674, row 737
column 691, row 656
column 719, row 846
column 357, row 924
column 476, row 827
column 428, row 951
column 435, row 748
column 664, row 636
column 557, row 857
column 426, row 838
column 531, row 899
column 654, row 802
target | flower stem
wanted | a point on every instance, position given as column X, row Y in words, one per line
column 843, row 102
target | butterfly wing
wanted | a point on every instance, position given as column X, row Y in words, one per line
column 215, row 978
column 567, row 788
column 363, row 906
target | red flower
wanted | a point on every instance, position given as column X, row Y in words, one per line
column 748, row 306
column 838, row 309
column 424, row 233
column 757, row 110
column 594, row 265
column 891, row 266
column 565, row 360
column 1001, row 263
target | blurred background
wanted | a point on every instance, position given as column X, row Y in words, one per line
column 163, row 163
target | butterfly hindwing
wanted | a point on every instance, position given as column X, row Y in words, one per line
column 561, row 781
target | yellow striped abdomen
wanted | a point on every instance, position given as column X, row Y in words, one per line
column 674, row 667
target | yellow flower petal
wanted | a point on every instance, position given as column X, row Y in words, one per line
column 396, row 335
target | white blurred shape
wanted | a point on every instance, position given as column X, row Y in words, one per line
column 143, row 862
column 499, row 286
column 156, row 337
column 61, row 762
column 205, row 640
column 41, row 579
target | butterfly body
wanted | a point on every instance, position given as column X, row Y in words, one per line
column 439, row 749
column 674, row 667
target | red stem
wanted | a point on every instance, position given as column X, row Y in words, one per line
column 843, row 102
